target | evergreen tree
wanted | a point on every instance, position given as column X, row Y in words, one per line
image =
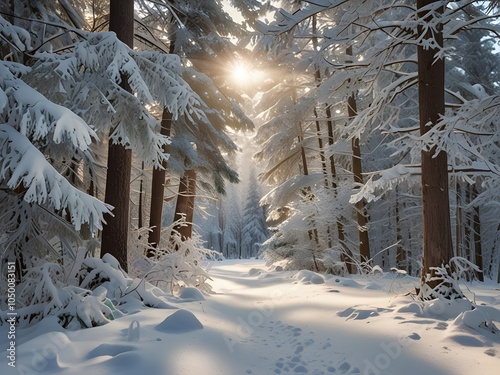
column 197, row 32
column 75, row 86
column 254, row 232
column 385, row 36
column 231, row 223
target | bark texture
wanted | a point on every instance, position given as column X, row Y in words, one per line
column 115, row 233
column 437, row 240
column 158, row 190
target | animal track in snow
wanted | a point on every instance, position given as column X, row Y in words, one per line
column 303, row 353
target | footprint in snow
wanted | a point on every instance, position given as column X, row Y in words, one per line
column 491, row 352
column 441, row 326
column 301, row 353
column 346, row 368
column 362, row 312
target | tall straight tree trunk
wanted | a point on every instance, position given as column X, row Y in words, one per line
column 346, row 255
column 437, row 242
column 400, row 252
column 312, row 233
column 478, row 250
column 158, row 190
column 317, row 78
column 184, row 206
column 459, row 250
column 357, row 170
column 467, row 227
column 140, row 220
column 115, row 233
column 321, row 148
column 158, row 180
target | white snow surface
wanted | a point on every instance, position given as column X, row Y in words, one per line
column 271, row 322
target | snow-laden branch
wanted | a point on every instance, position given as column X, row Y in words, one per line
column 374, row 189
column 470, row 136
column 36, row 117
column 290, row 190
column 15, row 36
column 21, row 164
column 93, row 70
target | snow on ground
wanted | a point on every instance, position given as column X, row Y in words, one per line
column 265, row 322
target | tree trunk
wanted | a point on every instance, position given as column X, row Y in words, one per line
column 357, row 170
column 437, row 242
column 498, row 270
column 320, row 146
column 317, row 78
column 400, row 252
column 140, row 221
column 467, row 227
column 158, row 190
column 459, row 250
column 184, row 207
column 364, row 242
column 478, row 250
column 115, row 233
column 346, row 255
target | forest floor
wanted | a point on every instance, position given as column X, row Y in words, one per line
column 263, row 322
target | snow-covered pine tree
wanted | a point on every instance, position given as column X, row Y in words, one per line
column 231, row 223
column 254, row 232
column 43, row 141
column 387, row 75
column 199, row 147
column 59, row 93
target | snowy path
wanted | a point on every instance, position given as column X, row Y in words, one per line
column 284, row 327
column 265, row 322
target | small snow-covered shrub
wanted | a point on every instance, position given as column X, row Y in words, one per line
column 177, row 263
column 295, row 251
column 44, row 291
column 105, row 272
column 447, row 279
column 93, row 292
column 291, row 243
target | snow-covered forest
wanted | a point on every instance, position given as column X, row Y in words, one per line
column 349, row 146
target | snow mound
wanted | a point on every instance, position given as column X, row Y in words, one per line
column 48, row 359
column 191, row 294
column 255, row 271
column 481, row 320
column 372, row 286
column 413, row 307
column 377, row 270
column 348, row 282
column 180, row 321
column 445, row 309
column 309, row 277
column 111, row 350
column 126, row 363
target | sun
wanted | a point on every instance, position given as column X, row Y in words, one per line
column 244, row 74
column 241, row 73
